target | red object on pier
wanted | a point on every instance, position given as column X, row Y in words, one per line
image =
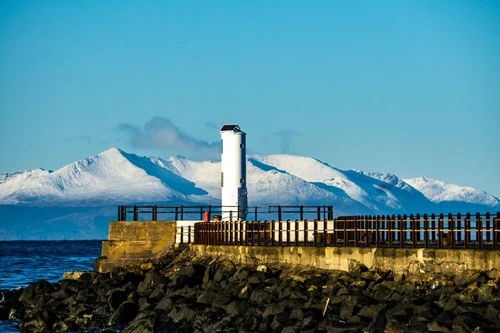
column 206, row 217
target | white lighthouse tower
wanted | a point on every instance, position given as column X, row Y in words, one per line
column 233, row 175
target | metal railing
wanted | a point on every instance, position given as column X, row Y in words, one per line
column 477, row 231
column 183, row 213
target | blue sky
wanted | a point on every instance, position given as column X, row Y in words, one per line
column 405, row 87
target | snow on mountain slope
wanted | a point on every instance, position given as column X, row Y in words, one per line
column 205, row 174
column 115, row 176
column 379, row 194
column 109, row 176
column 438, row 191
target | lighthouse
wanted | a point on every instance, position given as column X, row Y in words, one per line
column 233, row 175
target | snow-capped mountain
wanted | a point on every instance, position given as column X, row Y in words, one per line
column 438, row 191
column 83, row 195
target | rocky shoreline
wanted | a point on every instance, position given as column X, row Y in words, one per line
column 180, row 292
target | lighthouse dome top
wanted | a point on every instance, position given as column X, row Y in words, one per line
column 230, row 127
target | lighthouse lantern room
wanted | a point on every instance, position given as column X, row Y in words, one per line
column 233, row 174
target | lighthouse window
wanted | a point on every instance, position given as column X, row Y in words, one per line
column 222, row 179
column 242, row 180
column 242, row 145
column 221, row 146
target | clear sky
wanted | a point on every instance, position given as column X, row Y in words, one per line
column 405, row 87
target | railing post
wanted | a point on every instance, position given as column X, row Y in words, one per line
column 280, row 233
column 154, row 214
column 402, row 234
column 496, row 229
column 325, row 231
column 287, row 232
column 229, row 234
column 305, row 231
column 240, row 226
column 377, row 229
column 279, row 212
column 301, row 213
column 413, row 230
column 451, row 233
column 182, row 213
column 433, row 227
column 479, row 232
column 488, row 227
column 296, row 232
column 346, row 238
column 459, row 227
column 189, row 234
column 419, row 229
column 319, row 213
column 136, row 213
column 273, row 232
column 468, row 231
column 389, row 231
column 356, row 235
column 426, row 231
column 440, row 230
column 315, row 233
column 182, row 235
column 262, row 231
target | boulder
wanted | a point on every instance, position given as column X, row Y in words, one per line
column 124, row 313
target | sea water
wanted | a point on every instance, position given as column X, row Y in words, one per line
column 23, row 262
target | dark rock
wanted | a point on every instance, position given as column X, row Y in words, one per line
column 34, row 324
column 166, row 304
column 40, row 288
column 128, row 276
column 471, row 321
column 10, row 308
column 466, row 278
column 445, row 318
column 273, row 309
column 237, row 307
column 206, row 297
column 434, row 326
column 124, row 313
column 117, row 297
column 484, row 293
column 221, row 300
column 401, row 313
column 356, row 268
column 225, row 269
column 372, row 311
column 447, row 303
column 151, row 280
column 261, row 297
column 245, row 292
column 182, row 314
column 87, row 277
column 157, row 294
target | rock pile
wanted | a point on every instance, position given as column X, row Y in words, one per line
column 183, row 293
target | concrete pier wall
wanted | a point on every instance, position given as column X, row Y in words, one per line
column 400, row 261
column 134, row 242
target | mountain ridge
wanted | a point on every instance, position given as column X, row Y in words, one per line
column 115, row 177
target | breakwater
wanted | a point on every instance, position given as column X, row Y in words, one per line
column 182, row 291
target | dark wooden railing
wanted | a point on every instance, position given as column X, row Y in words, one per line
column 468, row 231
column 183, row 213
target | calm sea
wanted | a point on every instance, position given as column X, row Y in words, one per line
column 22, row 262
